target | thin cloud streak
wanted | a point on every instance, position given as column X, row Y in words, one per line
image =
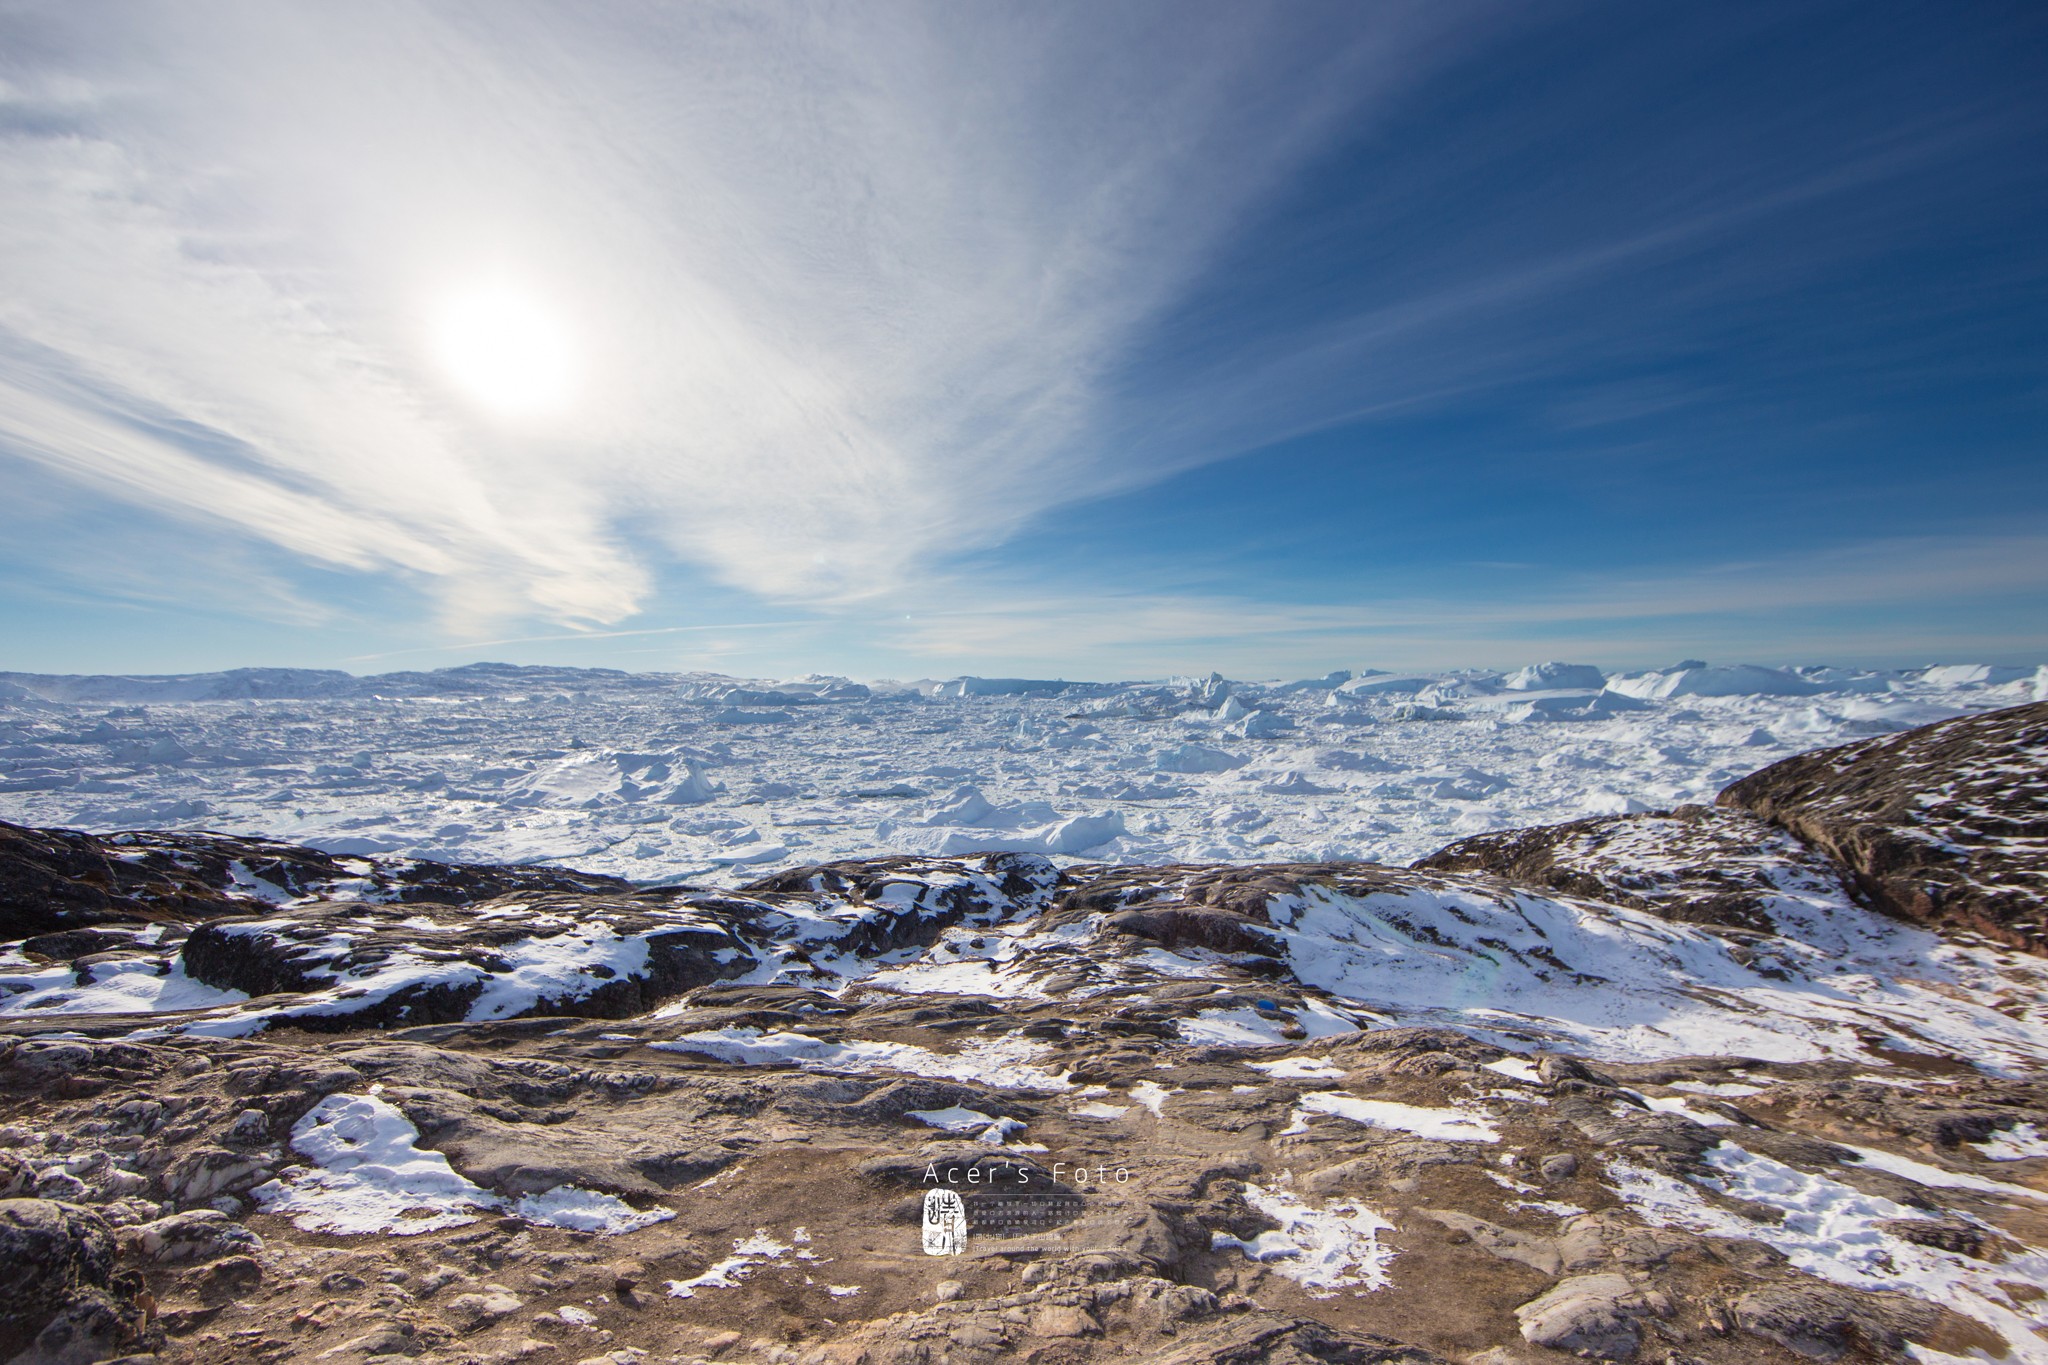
column 463, row 646
column 1773, row 600
column 1445, row 343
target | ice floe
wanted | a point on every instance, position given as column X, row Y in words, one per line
column 651, row 776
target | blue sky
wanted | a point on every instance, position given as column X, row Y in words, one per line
column 1079, row 340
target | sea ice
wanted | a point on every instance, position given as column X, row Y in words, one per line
column 680, row 777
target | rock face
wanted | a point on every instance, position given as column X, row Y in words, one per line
column 62, row 1300
column 373, row 966
column 53, row 880
column 1646, row 1088
column 1694, row 864
column 1945, row 825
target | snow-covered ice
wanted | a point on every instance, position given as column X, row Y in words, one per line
column 661, row 777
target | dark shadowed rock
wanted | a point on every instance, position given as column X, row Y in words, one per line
column 52, row 1256
column 53, row 880
column 1826, row 1322
column 184, row 1238
column 1179, row 928
column 1240, row 892
column 1946, row 825
column 1268, row 1339
column 908, row 901
column 377, row 966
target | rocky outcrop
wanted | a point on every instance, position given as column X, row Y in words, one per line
column 1946, row 825
column 882, row 905
column 1138, row 1197
column 63, row 1298
column 56, row 880
column 1639, row 1089
column 1826, row 1323
column 1694, row 864
column 374, row 966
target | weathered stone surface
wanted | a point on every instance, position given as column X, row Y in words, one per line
column 204, row 1175
column 48, row 1251
column 1266, row 1339
column 1826, row 1322
column 198, row 1235
column 54, row 881
column 93, row 1325
column 473, row 1311
column 1589, row 1315
column 1695, row 864
column 1175, row 1139
column 1946, row 825
column 56, row 1266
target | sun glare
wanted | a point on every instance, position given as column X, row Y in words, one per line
column 505, row 351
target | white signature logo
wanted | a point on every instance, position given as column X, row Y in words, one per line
column 945, row 1223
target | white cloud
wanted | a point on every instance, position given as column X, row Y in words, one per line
column 843, row 286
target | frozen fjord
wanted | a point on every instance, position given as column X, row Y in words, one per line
column 718, row 780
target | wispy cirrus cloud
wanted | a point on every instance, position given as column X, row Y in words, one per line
column 841, row 286
column 1794, row 606
column 837, row 306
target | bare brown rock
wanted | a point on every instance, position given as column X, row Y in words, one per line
column 1946, row 825
column 1695, row 865
column 55, row 882
column 1168, row 1141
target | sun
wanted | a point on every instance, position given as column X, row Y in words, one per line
column 505, row 350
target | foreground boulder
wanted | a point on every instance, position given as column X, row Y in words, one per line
column 61, row 1300
column 1946, row 825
